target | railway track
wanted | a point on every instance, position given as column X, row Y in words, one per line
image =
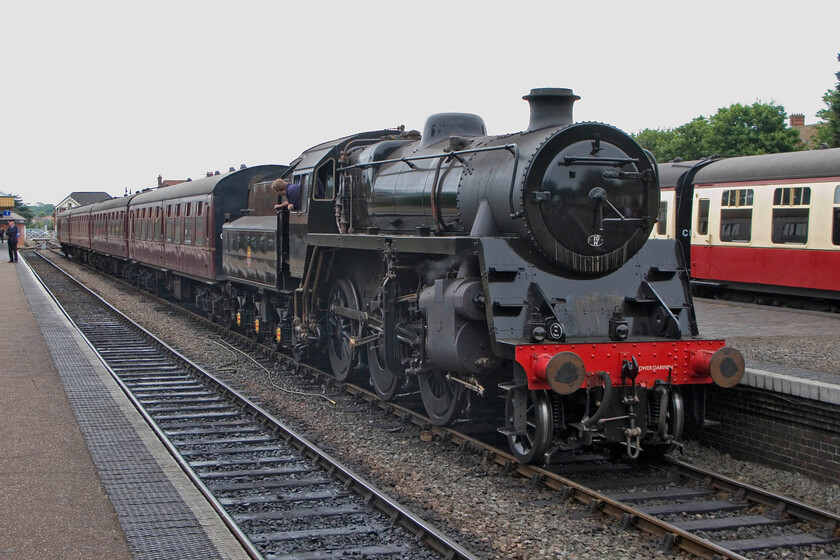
column 690, row 509
column 734, row 518
column 280, row 495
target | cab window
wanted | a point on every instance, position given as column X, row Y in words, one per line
column 662, row 219
column 324, row 187
column 304, row 182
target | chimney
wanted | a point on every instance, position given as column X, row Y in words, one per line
column 550, row 107
column 797, row 120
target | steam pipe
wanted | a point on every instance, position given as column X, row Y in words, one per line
column 606, row 402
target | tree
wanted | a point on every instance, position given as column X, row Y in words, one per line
column 737, row 130
column 658, row 142
column 690, row 142
column 748, row 130
column 21, row 208
column 828, row 132
column 42, row 209
column 684, row 142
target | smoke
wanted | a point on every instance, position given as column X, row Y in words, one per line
column 430, row 271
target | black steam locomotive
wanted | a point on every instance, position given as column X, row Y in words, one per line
column 480, row 269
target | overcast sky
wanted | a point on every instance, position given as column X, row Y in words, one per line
column 107, row 95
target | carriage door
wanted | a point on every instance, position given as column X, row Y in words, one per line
column 835, row 222
column 701, row 240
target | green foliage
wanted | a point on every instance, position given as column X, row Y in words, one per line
column 828, row 132
column 21, row 208
column 685, row 142
column 42, row 209
column 737, row 130
column 741, row 130
column 659, row 142
column 691, row 139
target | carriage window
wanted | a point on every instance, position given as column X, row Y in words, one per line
column 703, row 216
column 790, row 225
column 790, row 219
column 199, row 229
column 736, row 224
column 662, row 219
column 736, row 215
column 792, row 196
column 189, row 209
column 738, row 197
column 199, row 208
column 325, row 182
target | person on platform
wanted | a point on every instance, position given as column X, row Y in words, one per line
column 12, row 234
column 289, row 191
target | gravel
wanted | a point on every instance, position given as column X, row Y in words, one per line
column 493, row 514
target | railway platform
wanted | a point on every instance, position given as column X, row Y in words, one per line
column 782, row 416
column 81, row 474
column 725, row 320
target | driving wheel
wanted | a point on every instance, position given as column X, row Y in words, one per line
column 443, row 399
column 386, row 381
column 342, row 329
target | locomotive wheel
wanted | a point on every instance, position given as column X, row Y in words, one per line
column 675, row 422
column 443, row 400
column 386, row 382
column 530, row 445
column 342, row 329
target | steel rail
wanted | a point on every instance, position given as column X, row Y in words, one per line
column 673, row 537
column 423, row 531
column 748, row 492
column 234, row 528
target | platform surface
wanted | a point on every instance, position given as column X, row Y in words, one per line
column 731, row 320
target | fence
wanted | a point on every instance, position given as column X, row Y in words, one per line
column 38, row 237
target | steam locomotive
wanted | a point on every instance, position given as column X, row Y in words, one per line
column 476, row 269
